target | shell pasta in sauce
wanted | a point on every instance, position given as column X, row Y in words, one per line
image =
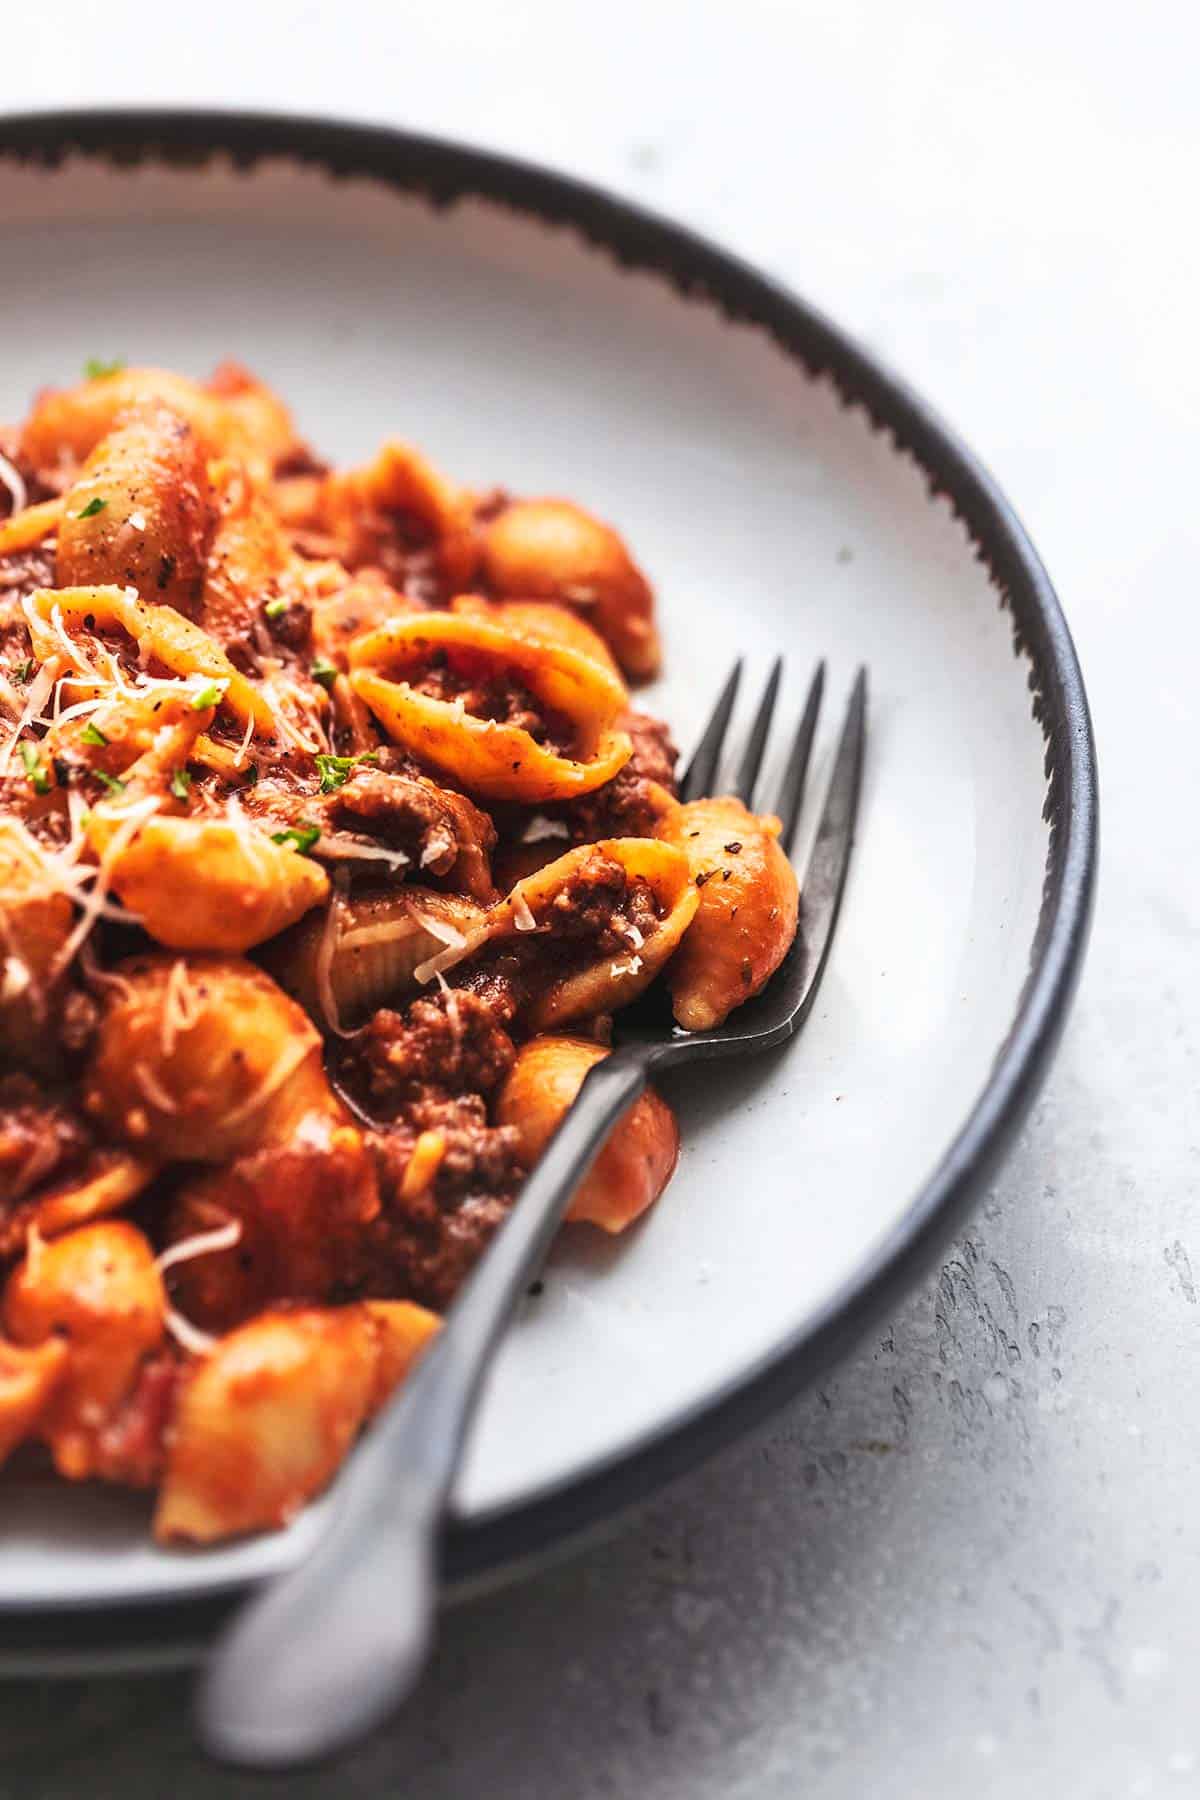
column 330, row 843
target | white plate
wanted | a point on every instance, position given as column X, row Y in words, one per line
column 778, row 506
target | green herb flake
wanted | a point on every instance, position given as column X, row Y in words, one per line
column 251, row 774
column 111, row 782
column 181, row 782
column 323, row 673
column 335, row 770
column 275, row 609
column 25, row 669
column 92, row 734
column 94, row 506
column 96, row 369
column 301, row 838
column 35, row 769
column 209, row 696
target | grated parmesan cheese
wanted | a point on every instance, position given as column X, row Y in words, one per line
column 39, row 692
column 523, row 918
column 189, row 1336
column 180, row 1009
column 540, row 828
column 349, row 849
column 201, row 1243
column 16, row 977
column 457, row 946
column 153, row 1089
column 240, row 758
column 94, row 904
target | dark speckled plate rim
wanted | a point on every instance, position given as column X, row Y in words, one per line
column 484, row 1549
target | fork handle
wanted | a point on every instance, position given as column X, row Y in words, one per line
column 331, row 1646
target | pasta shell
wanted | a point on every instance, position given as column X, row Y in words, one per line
column 198, row 1059
column 487, row 756
column 36, row 916
column 542, row 622
column 554, row 550
column 66, row 424
column 99, row 1291
column 748, row 911
column 366, row 948
column 639, row 1157
column 207, row 884
column 28, row 1378
column 402, row 1331
column 594, row 983
column 264, row 1421
column 139, row 512
column 111, row 1179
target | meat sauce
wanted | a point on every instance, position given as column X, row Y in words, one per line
column 495, row 694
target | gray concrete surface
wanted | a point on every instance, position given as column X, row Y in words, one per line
column 970, row 1562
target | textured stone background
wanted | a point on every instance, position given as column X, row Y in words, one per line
column 971, row 1560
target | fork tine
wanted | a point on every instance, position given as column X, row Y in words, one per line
column 825, row 876
column 701, row 771
column 791, row 791
column 752, row 756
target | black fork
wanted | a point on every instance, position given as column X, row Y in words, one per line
column 337, row 1642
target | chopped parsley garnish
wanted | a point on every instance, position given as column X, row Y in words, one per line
column 275, row 609
column 323, row 673
column 335, row 770
column 251, row 774
column 209, row 696
column 95, row 368
column 301, row 838
column 25, row 669
column 111, row 782
column 35, row 769
column 92, row 734
column 94, row 506
column 181, row 781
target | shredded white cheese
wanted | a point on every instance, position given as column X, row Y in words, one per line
column 39, row 692
column 240, row 758
column 16, row 978
column 180, row 1007
column 153, row 1089
column 457, row 946
column 540, row 828
column 201, row 1243
column 523, row 919
column 94, row 904
column 350, row 850
column 288, row 1061
column 193, row 1340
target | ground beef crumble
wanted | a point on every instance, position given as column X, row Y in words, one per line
column 450, row 1044
column 631, row 804
column 603, row 907
column 499, row 696
column 40, row 1138
column 433, row 825
column 427, row 1070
